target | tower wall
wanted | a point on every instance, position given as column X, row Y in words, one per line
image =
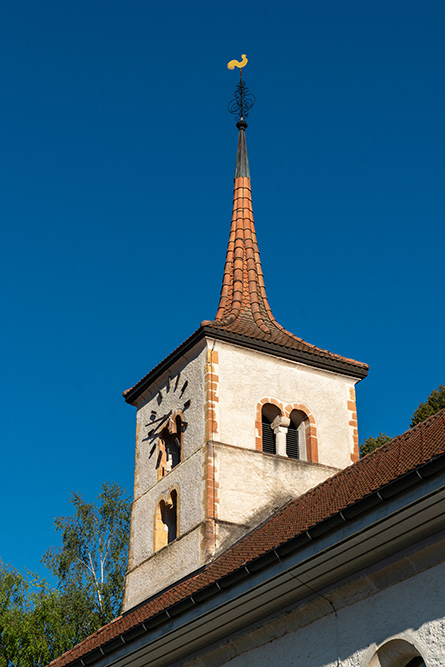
column 179, row 390
column 224, row 483
column 252, row 485
column 150, row 571
column 246, row 378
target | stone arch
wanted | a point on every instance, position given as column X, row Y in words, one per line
column 166, row 519
column 258, row 419
column 310, row 429
column 397, row 653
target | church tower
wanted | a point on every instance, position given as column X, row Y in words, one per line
column 237, row 420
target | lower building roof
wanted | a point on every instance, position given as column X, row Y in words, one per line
column 407, row 460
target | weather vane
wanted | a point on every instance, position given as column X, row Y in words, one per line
column 243, row 100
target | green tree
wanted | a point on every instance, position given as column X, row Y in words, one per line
column 32, row 631
column 13, row 630
column 434, row 403
column 39, row 623
column 371, row 443
column 92, row 560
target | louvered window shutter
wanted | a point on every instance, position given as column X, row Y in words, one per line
column 292, row 449
column 268, row 438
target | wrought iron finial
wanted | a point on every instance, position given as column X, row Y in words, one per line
column 243, row 100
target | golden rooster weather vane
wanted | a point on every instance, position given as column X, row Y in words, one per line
column 236, row 63
column 243, row 100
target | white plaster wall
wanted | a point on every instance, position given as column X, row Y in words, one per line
column 412, row 610
column 151, row 571
column 247, row 376
column 166, row 566
column 187, row 479
column 151, row 409
column 252, row 483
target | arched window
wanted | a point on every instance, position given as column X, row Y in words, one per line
column 296, row 435
column 166, row 521
column 268, row 413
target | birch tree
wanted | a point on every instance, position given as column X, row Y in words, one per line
column 91, row 562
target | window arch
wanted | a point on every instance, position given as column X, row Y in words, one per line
column 304, row 420
column 166, row 520
column 397, row 653
column 269, row 412
column 273, row 422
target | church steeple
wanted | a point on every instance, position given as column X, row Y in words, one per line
column 237, row 420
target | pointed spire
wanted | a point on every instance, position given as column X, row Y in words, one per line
column 243, row 294
column 243, row 307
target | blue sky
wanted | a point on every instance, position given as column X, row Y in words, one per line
column 116, row 167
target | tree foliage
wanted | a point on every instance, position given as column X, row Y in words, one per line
column 371, row 443
column 37, row 622
column 32, row 627
column 434, row 403
column 92, row 560
column 14, row 632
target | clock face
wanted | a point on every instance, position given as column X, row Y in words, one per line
column 172, row 398
column 167, row 424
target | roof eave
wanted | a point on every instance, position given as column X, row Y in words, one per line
column 307, row 358
column 332, row 365
column 402, row 494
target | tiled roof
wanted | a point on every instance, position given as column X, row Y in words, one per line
column 243, row 306
column 387, row 464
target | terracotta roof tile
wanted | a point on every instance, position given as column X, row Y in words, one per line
column 388, row 463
